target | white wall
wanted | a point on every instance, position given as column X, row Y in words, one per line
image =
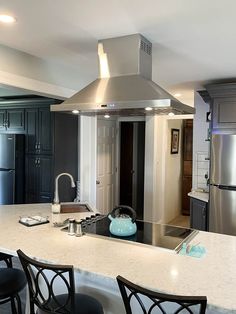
column 200, row 146
column 22, row 70
column 154, row 173
column 173, row 174
column 162, row 198
column 88, row 159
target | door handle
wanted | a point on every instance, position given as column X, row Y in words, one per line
column 98, row 182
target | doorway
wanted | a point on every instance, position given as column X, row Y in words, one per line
column 132, row 154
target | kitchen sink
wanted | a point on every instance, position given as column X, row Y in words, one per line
column 74, row 208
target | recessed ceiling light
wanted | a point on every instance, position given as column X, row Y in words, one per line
column 8, row 19
column 75, row 111
column 107, row 116
column 177, row 95
column 148, row 109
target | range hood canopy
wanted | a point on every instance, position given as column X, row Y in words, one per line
column 124, row 86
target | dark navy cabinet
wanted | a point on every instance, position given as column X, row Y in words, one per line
column 198, row 214
column 223, row 106
column 51, row 144
column 12, row 120
column 39, row 131
column 38, row 185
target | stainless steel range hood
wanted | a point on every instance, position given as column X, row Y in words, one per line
column 124, row 86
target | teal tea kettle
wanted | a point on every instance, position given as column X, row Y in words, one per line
column 122, row 221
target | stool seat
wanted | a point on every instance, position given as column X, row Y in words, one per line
column 84, row 304
column 11, row 282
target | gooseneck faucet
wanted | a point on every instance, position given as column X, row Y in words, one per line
column 56, row 194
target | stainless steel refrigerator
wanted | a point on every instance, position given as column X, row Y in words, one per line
column 222, row 213
column 11, row 169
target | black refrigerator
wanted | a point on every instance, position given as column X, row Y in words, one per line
column 11, row 169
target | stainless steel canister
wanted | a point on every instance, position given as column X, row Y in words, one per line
column 71, row 226
column 78, row 229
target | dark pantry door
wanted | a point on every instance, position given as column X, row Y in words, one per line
column 132, row 151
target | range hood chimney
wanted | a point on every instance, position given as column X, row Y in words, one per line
column 124, row 86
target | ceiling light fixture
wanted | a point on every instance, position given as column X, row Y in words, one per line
column 171, row 114
column 148, row 109
column 75, row 111
column 177, row 95
column 7, row 19
column 107, row 116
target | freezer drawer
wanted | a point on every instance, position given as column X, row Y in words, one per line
column 7, row 187
column 222, row 213
column 223, row 158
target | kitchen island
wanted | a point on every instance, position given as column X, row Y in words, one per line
column 97, row 261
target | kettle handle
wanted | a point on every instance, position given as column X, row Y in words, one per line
column 117, row 209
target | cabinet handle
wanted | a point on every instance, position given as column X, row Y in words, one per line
column 39, row 146
column 35, row 161
column 36, row 146
column 38, row 161
column 204, row 212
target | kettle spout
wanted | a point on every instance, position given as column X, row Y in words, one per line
column 110, row 217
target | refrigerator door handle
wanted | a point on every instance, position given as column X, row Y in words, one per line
column 227, row 187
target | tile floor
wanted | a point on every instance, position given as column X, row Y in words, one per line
column 181, row 221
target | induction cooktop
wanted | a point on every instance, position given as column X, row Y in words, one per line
column 165, row 236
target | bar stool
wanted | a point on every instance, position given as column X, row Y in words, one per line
column 44, row 282
column 149, row 301
column 12, row 281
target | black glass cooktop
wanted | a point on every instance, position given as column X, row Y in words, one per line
column 165, row 236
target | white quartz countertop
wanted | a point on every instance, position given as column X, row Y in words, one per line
column 214, row 275
column 202, row 196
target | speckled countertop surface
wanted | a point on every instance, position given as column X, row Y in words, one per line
column 214, row 275
column 203, row 196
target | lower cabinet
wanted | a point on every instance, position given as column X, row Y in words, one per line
column 38, row 179
column 198, row 214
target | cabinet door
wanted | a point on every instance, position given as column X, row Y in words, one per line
column 45, row 131
column 31, row 179
column 31, row 118
column 2, row 120
column 198, row 216
column 15, row 120
column 45, row 179
column 224, row 113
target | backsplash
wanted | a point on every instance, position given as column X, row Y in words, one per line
column 201, row 166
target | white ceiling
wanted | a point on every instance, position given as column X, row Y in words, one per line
column 193, row 41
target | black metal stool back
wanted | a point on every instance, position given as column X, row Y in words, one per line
column 7, row 259
column 149, row 302
column 43, row 281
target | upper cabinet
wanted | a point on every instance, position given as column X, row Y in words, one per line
column 12, row 120
column 223, row 105
column 39, row 131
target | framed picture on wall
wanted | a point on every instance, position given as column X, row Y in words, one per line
column 174, row 148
